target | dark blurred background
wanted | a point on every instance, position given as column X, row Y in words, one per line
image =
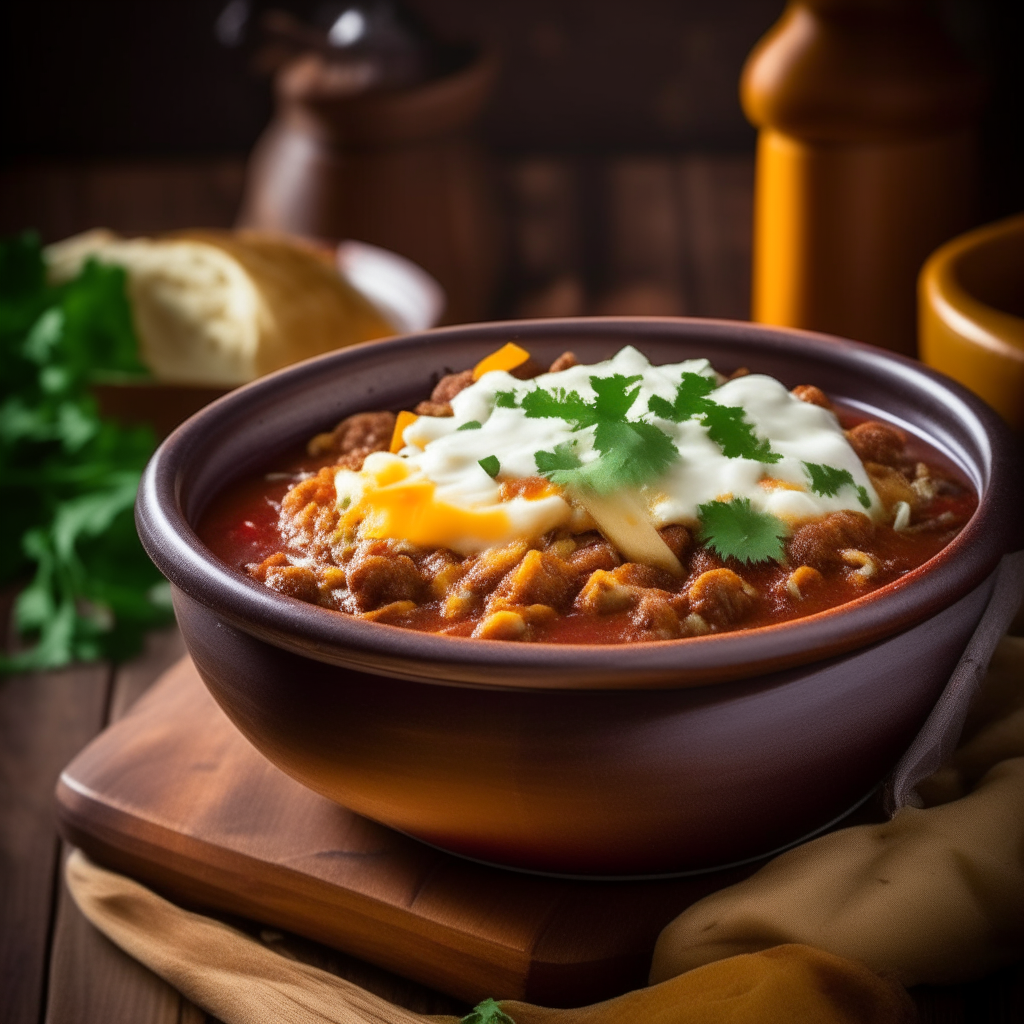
column 621, row 158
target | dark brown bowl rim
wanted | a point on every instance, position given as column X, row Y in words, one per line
column 382, row 649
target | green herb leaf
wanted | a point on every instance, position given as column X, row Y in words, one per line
column 68, row 477
column 690, row 399
column 487, row 1012
column 559, row 466
column 726, row 425
column 736, row 530
column 729, row 429
column 631, row 452
column 828, row 481
column 470, row 425
column 560, row 405
column 491, row 466
column 505, row 400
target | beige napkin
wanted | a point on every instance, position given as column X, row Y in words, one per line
column 241, row 982
column 935, row 895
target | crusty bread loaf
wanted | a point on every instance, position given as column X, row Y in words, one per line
column 222, row 307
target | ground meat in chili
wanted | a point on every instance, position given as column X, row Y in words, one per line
column 282, row 530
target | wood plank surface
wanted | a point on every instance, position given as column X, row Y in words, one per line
column 132, row 197
column 90, row 979
column 44, row 719
column 716, row 217
column 631, row 235
column 645, row 241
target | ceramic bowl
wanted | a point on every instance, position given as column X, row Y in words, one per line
column 645, row 758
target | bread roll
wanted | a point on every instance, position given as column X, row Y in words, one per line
column 222, row 308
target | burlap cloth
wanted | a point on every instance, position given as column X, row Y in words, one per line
column 827, row 933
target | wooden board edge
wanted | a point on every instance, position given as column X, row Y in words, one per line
column 204, row 877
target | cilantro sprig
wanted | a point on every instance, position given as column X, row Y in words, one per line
column 827, row 481
column 631, row 452
column 560, row 466
column 68, row 477
column 487, row 1012
column 734, row 529
column 726, row 425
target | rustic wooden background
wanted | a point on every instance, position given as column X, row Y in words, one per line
column 647, row 234
column 619, row 148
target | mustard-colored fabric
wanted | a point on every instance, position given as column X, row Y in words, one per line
column 935, row 895
column 219, row 968
column 785, row 985
column 242, row 982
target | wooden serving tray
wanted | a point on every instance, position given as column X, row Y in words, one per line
column 173, row 795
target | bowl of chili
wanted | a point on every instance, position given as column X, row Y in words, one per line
column 634, row 755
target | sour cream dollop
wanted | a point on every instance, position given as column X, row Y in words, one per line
column 435, row 493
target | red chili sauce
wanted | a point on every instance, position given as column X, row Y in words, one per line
column 242, row 528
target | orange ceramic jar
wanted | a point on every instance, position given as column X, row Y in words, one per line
column 865, row 163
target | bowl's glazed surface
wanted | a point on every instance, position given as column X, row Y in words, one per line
column 638, row 758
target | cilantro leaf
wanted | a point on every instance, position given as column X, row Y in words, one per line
column 631, row 452
column 487, row 1012
column 690, row 399
column 559, row 405
column 736, row 530
column 559, row 466
column 505, row 400
column 729, row 429
column 470, row 425
column 632, row 455
column 828, row 481
column 611, row 404
column 490, row 465
column 613, row 400
column 726, row 425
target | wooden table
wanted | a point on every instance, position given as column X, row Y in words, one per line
column 55, row 968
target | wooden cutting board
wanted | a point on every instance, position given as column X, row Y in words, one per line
column 173, row 795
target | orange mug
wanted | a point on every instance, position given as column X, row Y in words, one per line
column 971, row 314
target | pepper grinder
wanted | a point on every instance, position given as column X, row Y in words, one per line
column 371, row 141
column 866, row 161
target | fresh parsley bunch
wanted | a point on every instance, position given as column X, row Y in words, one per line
column 68, row 477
